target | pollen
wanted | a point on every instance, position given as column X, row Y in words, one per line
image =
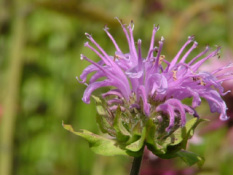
column 174, row 75
column 161, row 58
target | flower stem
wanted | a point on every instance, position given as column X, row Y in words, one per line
column 135, row 169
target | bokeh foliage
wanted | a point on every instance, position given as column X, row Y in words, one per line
column 48, row 36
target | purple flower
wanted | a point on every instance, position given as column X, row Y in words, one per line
column 152, row 84
column 226, row 69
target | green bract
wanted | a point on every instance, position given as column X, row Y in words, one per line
column 130, row 131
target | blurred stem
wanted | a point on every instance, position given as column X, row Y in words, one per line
column 80, row 9
column 7, row 123
column 135, row 169
column 4, row 13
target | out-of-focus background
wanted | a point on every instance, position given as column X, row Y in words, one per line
column 40, row 46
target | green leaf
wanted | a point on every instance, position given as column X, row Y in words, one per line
column 181, row 135
column 98, row 144
column 151, row 143
column 137, row 128
column 190, row 158
column 118, row 126
column 172, row 143
column 137, row 145
column 150, row 126
column 102, row 117
column 184, row 133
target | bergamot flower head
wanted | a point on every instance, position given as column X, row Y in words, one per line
column 145, row 103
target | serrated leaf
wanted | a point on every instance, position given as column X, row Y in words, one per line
column 190, row 158
column 98, row 144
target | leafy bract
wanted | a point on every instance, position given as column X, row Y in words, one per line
column 139, row 144
column 98, row 144
column 168, row 147
column 132, row 131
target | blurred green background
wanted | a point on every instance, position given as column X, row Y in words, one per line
column 40, row 46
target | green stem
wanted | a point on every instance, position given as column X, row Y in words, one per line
column 135, row 169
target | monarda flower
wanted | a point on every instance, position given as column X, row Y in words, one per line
column 151, row 101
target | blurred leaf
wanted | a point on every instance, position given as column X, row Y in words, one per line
column 190, row 158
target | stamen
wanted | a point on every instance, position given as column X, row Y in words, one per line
column 225, row 79
column 94, row 63
column 97, row 53
column 81, row 56
column 155, row 29
column 199, row 55
column 125, row 31
column 173, row 62
column 132, row 44
column 161, row 58
column 222, row 68
column 174, row 75
column 225, row 75
column 202, row 82
column 82, row 82
column 199, row 63
column 188, row 52
column 155, row 49
column 139, row 53
column 112, row 39
column 106, row 56
column 159, row 52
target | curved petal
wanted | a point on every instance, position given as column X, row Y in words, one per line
column 114, row 92
column 179, row 107
column 166, row 108
column 93, row 86
column 216, row 103
column 89, row 69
